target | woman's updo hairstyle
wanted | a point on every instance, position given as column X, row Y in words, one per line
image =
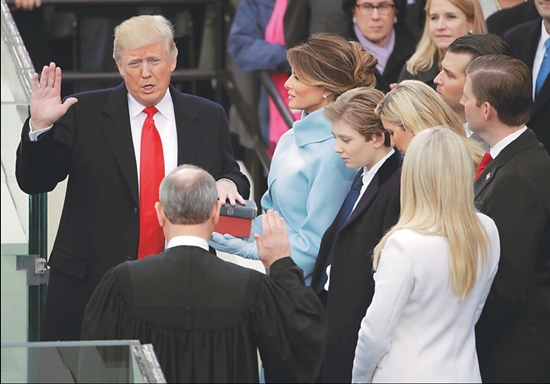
column 333, row 63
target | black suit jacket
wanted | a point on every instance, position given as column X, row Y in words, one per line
column 99, row 226
column 523, row 40
column 500, row 22
column 512, row 334
column 351, row 283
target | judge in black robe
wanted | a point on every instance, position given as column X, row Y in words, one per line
column 206, row 318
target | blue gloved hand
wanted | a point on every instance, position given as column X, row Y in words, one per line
column 241, row 247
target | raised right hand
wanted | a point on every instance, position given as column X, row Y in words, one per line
column 46, row 105
column 274, row 243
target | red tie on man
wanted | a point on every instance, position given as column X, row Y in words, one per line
column 485, row 161
column 151, row 173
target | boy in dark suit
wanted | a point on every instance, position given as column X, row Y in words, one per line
column 512, row 334
column 342, row 276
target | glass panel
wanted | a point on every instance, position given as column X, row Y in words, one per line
column 15, row 301
column 79, row 362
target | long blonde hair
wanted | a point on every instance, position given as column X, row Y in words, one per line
column 437, row 198
column 415, row 106
column 426, row 50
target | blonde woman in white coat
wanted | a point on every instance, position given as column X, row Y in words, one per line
column 434, row 270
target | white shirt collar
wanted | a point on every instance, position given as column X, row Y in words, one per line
column 504, row 142
column 164, row 106
column 377, row 166
column 467, row 130
column 192, row 241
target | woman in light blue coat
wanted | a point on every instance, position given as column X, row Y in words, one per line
column 308, row 181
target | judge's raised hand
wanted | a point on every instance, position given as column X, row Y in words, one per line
column 46, row 105
column 273, row 244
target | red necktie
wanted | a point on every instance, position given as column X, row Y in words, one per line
column 485, row 161
column 151, row 173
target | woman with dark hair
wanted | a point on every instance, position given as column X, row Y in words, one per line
column 379, row 25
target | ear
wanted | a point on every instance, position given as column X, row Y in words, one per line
column 161, row 216
column 120, row 69
column 173, row 64
column 215, row 217
column 488, row 110
column 378, row 140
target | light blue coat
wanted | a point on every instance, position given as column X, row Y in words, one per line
column 307, row 184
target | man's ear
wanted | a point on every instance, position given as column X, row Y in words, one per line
column 215, row 217
column 161, row 216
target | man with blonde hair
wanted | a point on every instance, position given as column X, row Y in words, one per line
column 115, row 146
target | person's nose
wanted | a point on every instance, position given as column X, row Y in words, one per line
column 375, row 15
column 145, row 71
column 438, row 79
column 288, row 82
column 337, row 147
column 441, row 23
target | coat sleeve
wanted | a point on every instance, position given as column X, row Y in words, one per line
column 247, row 46
column 230, row 168
column 394, row 282
column 42, row 164
column 290, row 325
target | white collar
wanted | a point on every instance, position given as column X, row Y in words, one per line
column 377, row 166
column 165, row 106
column 192, row 241
column 498, row 147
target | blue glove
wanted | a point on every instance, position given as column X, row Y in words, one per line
column 241, row 247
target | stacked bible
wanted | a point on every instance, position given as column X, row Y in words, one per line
column 237, row 220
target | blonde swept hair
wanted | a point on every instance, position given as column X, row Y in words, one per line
column 330, row 61
column 423, row 58
column 437, row 198
column 139, row 31
column 415, row 106
column 356, row 108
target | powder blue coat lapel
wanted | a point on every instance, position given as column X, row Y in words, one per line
column 307, row 184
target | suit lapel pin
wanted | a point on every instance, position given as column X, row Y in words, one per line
column 488, row 176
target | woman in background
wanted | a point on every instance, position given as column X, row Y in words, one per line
column 308, row 182
column 445, row 21
column 412, row 107
column 434, row 270
column 381, row 29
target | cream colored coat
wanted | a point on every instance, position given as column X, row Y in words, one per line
column 417, row 329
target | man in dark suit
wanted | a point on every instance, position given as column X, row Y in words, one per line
column 206, row 318
column 99, row 140
column 512, row 334
column 500, row 22
column 527, row 42
column 370, row 209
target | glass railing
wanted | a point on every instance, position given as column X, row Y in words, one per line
column 112, row 361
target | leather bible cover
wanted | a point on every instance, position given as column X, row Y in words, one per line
column 237, row 220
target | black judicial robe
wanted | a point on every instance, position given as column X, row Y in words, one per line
column 206, row 318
